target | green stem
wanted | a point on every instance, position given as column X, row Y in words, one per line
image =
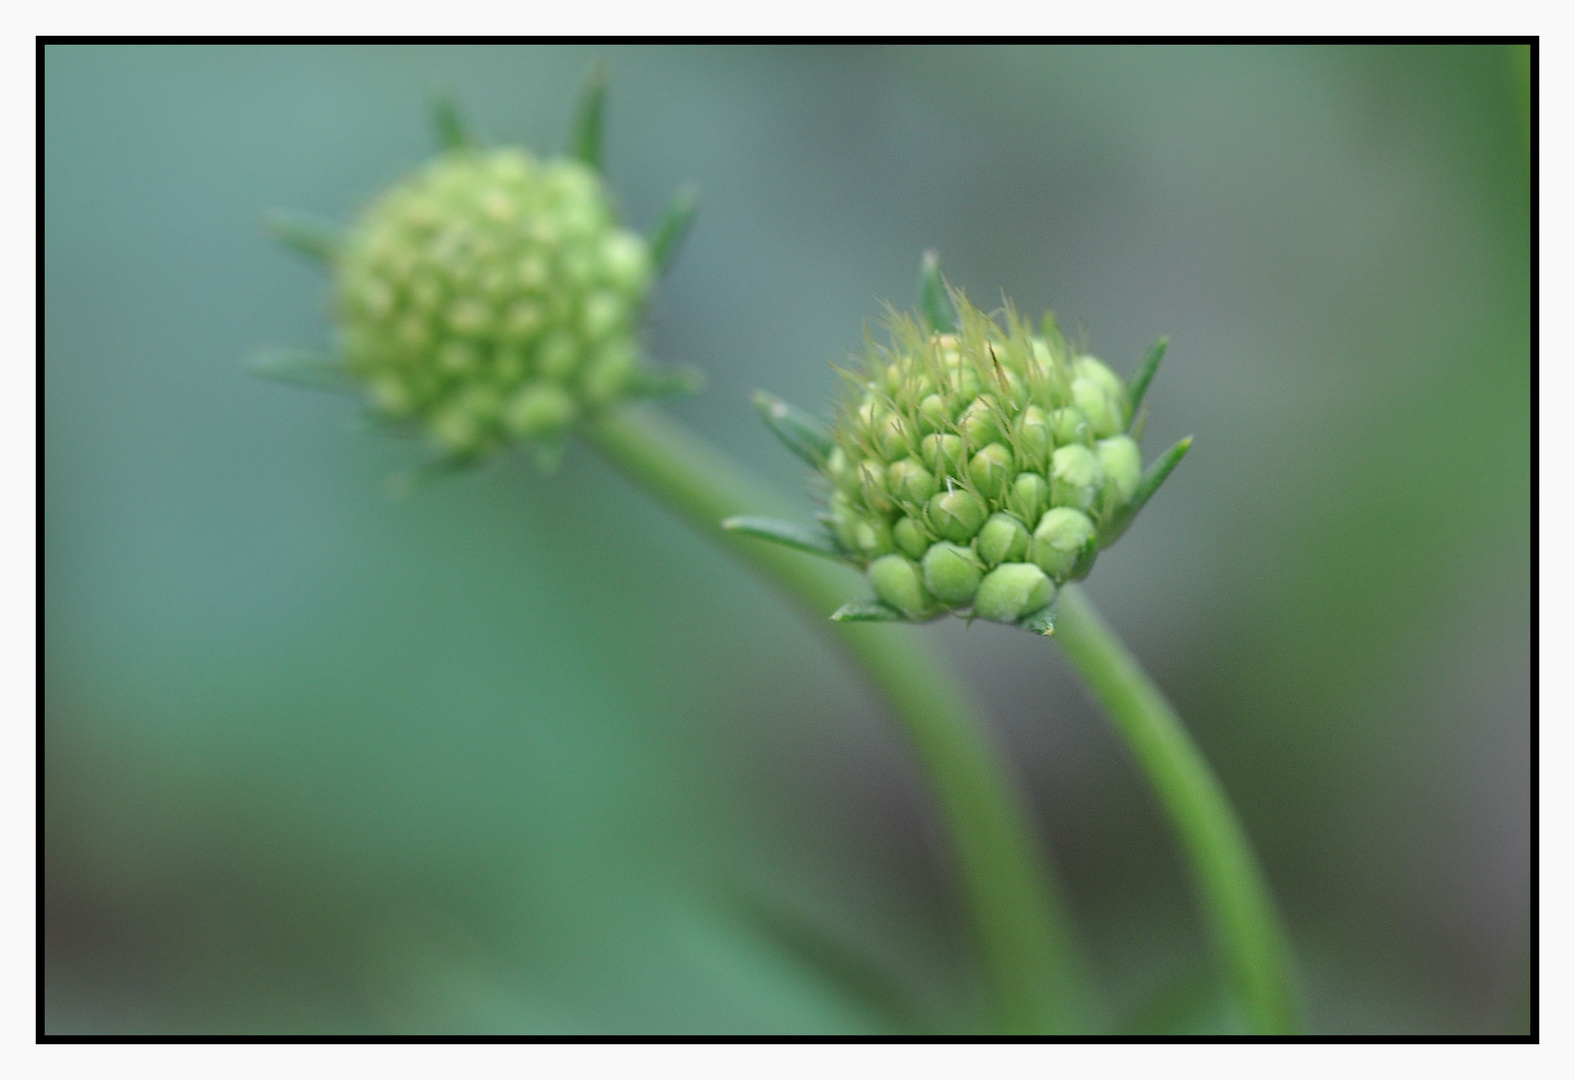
column 1236, row 899
column 1034, row 969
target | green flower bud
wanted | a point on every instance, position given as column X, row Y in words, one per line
column 910, row 481
column 1075, row 477
column 1003, row 539
column 990, row 470
column 897, row 582
column 1070, row 426
column 951, row 573
column 1035, row 437
column 1123, row 465
column 1029, row 496
column 1104, row 412
column 911, row 537
column 978, row 422
column 946, row 454
column 1065, row 544
column 492, row 296
column 972, row 457
column 956, row 515
column 1011, row 591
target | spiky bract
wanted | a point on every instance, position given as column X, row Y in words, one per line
column 491, row 297
column 971, row 471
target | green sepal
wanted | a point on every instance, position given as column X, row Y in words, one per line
column 1111, row 528
column 1137, row 386
column 934, row 303
column 448, row 125
column 311, row 368
column 306, row 235
column 665, row 381
column 673, row 225
column 1040, row 622
column 799, row 432
column 585, row 141
column 867, row 611
column 787, row 533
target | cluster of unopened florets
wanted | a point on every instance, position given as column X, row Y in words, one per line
column 492, row 297
column 972, row 470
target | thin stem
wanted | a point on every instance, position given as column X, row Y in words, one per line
column 1035, row 970
column 1236, row 900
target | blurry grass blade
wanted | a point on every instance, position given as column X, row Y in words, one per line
column 310, row 236
column 310, row 368
column 799, row 432
column 585, row 141
column 933, row 301
column 663, row 381
column 788, row 533
column 867, row 611
column 1041, row 622
column 1117, row 524
column 670, row 231
column 1145, row 373
column 448, row 126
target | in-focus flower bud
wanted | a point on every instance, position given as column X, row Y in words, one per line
column 1070, row 426
column 951, row 573
column 946, row 454
column 1003, row 539
column 1123, row 464
column 1029, row 496
column 897, row 582
column 1102, row 409
column 1075, row 477
column 1011, row 591
column 891, row 437
column 1035, row 437
column 1065, row 544
column 909, row 481
column 956, row 515
column 978, row 422
column 990, row 470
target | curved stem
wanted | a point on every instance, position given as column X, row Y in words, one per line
column 1034, row 969
column 1236, row 899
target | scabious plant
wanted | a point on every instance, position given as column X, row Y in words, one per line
column 975, row 464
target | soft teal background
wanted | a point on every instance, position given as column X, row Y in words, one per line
column 522, row 754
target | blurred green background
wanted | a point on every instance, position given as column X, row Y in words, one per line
column 521, row 754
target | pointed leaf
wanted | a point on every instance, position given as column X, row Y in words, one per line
column 933, row 301
column 787, row 533
column 585, row 141
column 867, row 611
column 799, row 432
column 310, row 236
column 448, row 126
column 666, row 381
column 1040, row 622
column 313, row 369
column 670, row 231
column 1138, row 386
column 1111, row 529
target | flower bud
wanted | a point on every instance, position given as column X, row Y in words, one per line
column 1075, row 477
column 1003, row 539
column 990, row 470
column 891, row 437
column 909, row 481
column 492, row 296
column 1065, row 544
column 978, row 422
column 1070, row 426
column 956, row 515
column 951, row 573
column 872, row 486
column 1123, row 464
column 1035, row 437
column 1102, row 409
column 1029, row 496
column 897, row 582
column 946, row 454
column 911, row 536
column 870, row 537
column 1011, row 591
column 934, row 415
